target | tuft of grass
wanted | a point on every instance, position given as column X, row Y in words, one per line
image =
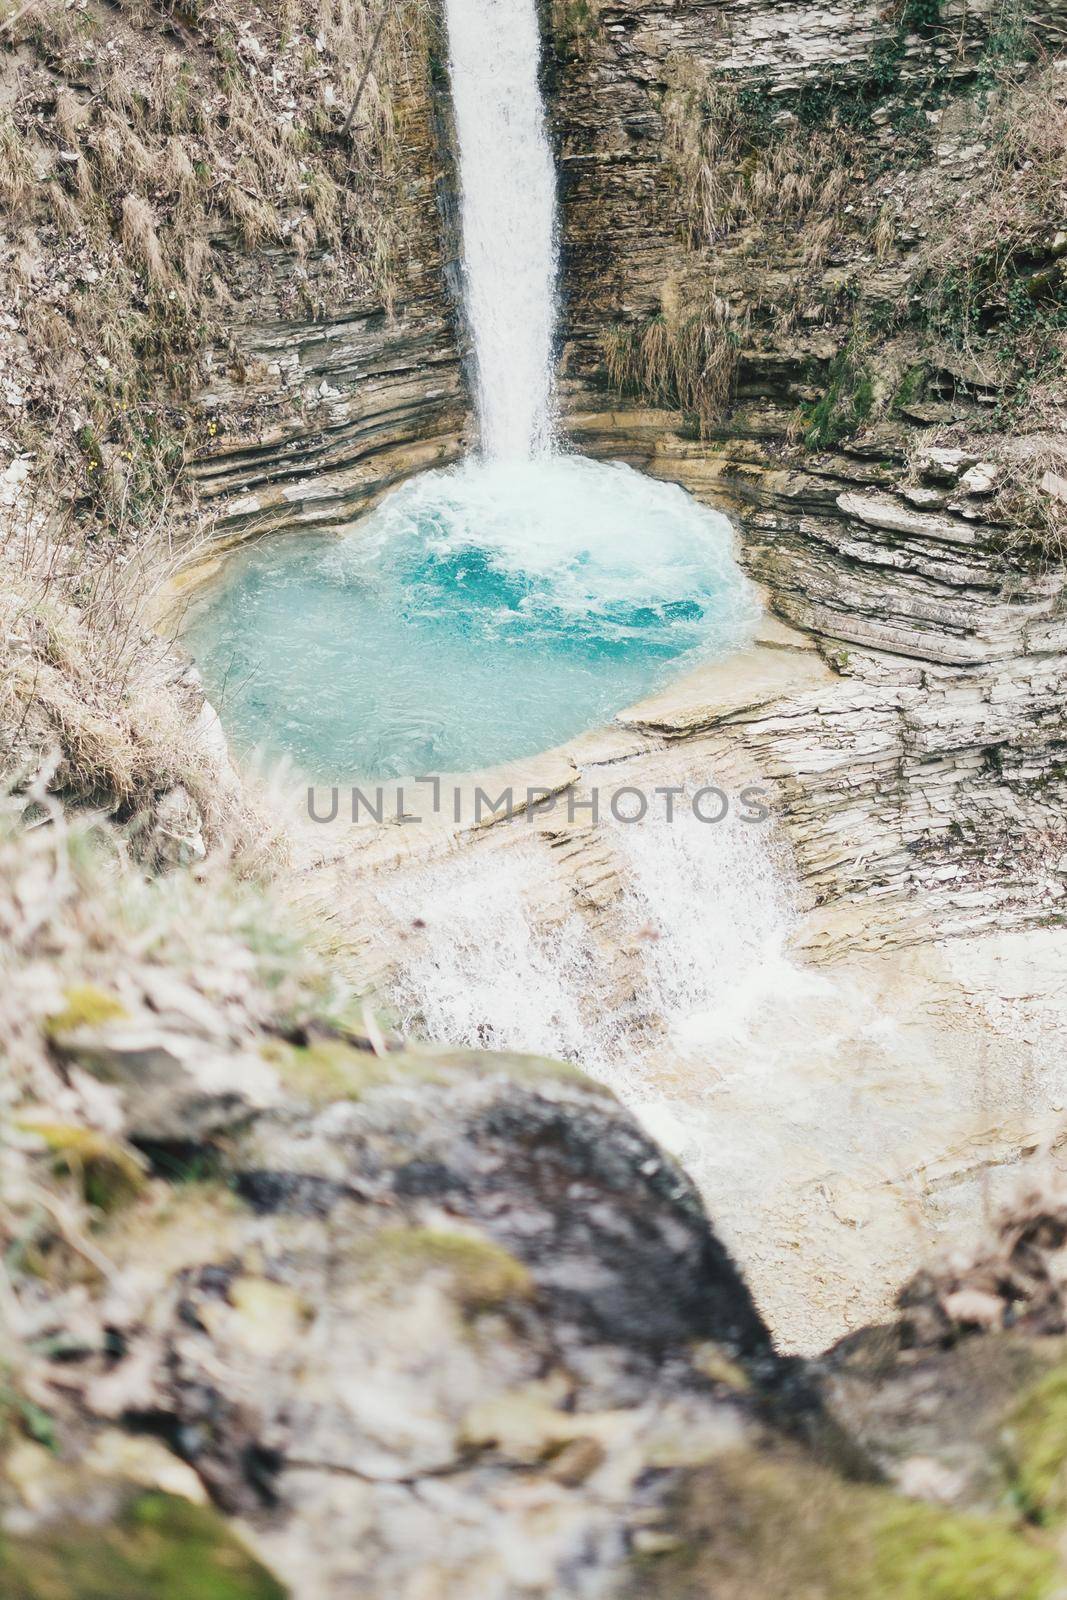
column 684, row 361
column 141, row 239
column 1001, row 267
column 16, row 173
column 1032, row 505
column 741, row 164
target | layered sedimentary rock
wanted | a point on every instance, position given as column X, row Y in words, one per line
column 326, row 397
column 938, row 752
column 939, row 737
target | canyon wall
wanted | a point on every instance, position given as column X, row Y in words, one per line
column 852, row 138
column 297, row 1308
column 329, row 393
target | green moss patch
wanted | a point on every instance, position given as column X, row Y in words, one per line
column 331, row 1069
column 919, row 1552
column 525, row 1069
column 1035, row 1440
column 85, row 1006
column 759, row 1526
column 160, row 1548
column 846, row 405
column 109, row 1171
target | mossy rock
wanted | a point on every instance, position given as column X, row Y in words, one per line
column 525, row 1069
column 84, row 1006
column 159, row 1548
column 757, row 1525
column 846, row 404
column 332, row 1069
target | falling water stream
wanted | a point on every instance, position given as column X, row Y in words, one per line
column 508, row 207
column 716, row 896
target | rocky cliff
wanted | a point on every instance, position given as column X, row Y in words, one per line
column 828, row 238
column 774, row 291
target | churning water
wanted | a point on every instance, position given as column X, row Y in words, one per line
column 481, row 614
column 702, row 919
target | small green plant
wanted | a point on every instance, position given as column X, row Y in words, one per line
column 1009, row 45
column 20, row 1415
column 908, row 390
column 846, row 405
column 573, row 24
column 921, row 16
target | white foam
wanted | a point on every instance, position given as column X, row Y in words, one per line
column 705, row 907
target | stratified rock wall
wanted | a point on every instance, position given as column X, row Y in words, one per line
column 935, row 764
column 324, row 401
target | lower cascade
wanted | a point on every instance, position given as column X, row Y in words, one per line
column 705, row 913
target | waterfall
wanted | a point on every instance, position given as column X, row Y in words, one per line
column 508, row 209
column 702, row 920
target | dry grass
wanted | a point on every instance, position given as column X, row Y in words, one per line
column 684, row 360
column 133, row 164
column 1002, row 262
column 734, row 175
column 16, row 173
column 86, row 688
column 1033, row 503
column 140, row 238
column 992, row 282
column 883, row 234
